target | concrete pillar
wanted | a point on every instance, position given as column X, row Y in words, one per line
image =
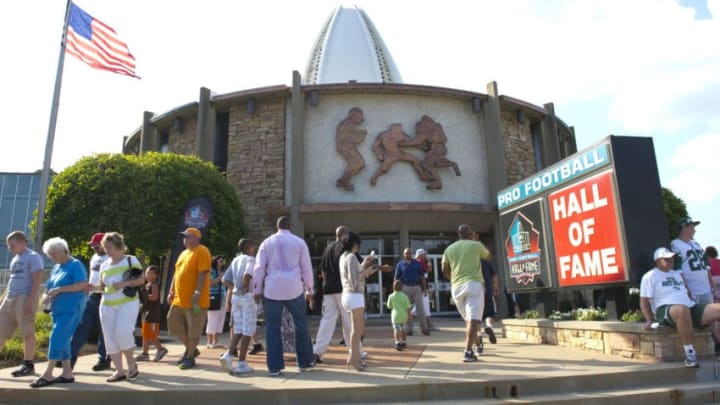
column 297, row 153
column 550, row 141
column 404, row 239
column 494, row 142
column 205, row 135
column 148, row 134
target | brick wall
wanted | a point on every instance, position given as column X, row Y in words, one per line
column 256, row 163
column 519, row 155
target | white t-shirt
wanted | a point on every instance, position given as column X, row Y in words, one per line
column 664, row 288
column 95, row 261
column 239, row 267
column 690, row 256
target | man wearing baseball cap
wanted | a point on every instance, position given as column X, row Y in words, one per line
column 90, row 321
column 189, row 295
column 664, row 299
column 693, row 263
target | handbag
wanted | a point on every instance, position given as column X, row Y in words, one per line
column 130, row 274
column 215, row 301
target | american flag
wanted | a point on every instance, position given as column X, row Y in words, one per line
column 97, row 44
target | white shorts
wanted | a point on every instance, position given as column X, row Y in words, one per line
column 469, row 299
column 244, row 314
column 426, row 305
column 352, row 301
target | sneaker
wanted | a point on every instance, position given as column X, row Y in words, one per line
column 404, row 345
column 226, row 362
column 142, row 357
column 187, row 364
column 469, row 357
column 491, row 335
column 275, row 373
column 242, row 368
column 691, row 360
column 426, row 333
column 398, row 346
column 27, row 368
column 409, row 332
column 341, row 343
column 363, row 355
column 306, row 368
column 317, row 358
column 161, row 352
column 184, row 356
column 480, row 347
column 257, row 348
column 101, row 365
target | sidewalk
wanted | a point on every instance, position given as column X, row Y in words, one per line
column 430, row 368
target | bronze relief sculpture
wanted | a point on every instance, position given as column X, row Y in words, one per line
column 347, row 139
column 388, row 149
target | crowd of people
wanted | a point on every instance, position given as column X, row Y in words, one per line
column 276, row 277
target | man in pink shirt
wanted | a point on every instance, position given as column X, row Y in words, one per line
column 283, row 278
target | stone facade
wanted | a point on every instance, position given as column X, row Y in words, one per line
column 625, row 339
column 256, row 163
column 519, row 153
column 183, row 142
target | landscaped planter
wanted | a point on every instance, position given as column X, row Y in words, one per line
column 612, row 337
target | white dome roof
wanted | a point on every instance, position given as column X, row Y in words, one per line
column 350, row 48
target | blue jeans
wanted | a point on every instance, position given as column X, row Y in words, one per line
column 89, row 323
column 303, row 344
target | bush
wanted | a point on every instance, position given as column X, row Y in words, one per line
column 529, row 314
column 579, row 314
column 13, row 352
column 633, row 316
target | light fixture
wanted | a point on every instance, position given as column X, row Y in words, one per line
column 314, row 98
column 178, row 124
column 476, row 104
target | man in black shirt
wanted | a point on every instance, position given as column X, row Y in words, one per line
column 332, row 291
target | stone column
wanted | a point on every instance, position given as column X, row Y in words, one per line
column 205, row 135
column 148, row 134
column 550, row 140
column 296, row 154
column 497, row 178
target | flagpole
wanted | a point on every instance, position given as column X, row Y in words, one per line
column 45, row 174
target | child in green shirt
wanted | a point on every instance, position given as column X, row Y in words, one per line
column 400, row 305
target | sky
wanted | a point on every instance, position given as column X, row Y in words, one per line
column 642, row 68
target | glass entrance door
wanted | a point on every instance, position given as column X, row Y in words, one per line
column 439, row 288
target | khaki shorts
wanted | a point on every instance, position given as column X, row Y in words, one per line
column 12, row 317
column 184, row 322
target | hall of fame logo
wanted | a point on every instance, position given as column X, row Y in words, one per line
column 523, row 250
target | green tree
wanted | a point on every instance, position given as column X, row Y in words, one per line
column 142, row 197
column 675, row 210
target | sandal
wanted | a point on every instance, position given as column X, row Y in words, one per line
column 63, row 380
column 133, row 373
column 116, row 378
column 40, row 382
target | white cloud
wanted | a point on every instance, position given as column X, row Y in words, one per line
column 697, row 169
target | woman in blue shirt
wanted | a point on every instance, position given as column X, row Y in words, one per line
column 65, row 293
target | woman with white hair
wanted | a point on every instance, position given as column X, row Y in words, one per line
column 120, row 304
column 66, row 297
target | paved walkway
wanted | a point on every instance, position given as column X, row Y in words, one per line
column 430, row 366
